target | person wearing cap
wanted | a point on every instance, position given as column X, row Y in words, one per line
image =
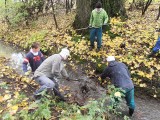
column 51, row 70
column 120, row 77
column 98, row 18
column 156, row 48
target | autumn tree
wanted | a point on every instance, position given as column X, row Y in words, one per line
column 84, row 8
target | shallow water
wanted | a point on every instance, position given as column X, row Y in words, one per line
column 15, row 56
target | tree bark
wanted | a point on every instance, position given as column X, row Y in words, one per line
column 6, row 13
column 84, row 8
column 54, row 16
column 146, row 7
column 158, row 13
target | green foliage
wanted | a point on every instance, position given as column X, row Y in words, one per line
column 13, row 11
column 116, row 95
column 95, row 109
column 8, row 116
column 36, row 37
column 41, row 110
column 19, row 12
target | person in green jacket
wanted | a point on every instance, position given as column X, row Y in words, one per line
column 98, row 18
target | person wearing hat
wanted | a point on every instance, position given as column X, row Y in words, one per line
column 98, row 18
column 120, row 77
column 156, row 48
column 51, row 70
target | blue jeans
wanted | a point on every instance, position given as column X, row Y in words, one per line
column 96, row 32
column 129, row 97
column 157, row 46
column 45, row 83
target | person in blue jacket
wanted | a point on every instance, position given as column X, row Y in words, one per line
column 156, row 48
column 120, row 78
column 34, row 57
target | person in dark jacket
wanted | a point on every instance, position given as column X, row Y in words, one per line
column 156, row 48
column 34, row 57
column 120, row 77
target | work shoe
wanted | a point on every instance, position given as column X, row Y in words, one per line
column 91, row 48
column 35, row 97
column 98, row 49
column 59, row 95
column 131, row 111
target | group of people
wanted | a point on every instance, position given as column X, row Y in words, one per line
column 47, row 72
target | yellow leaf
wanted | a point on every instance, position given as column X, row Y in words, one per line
column 1, row 98
column 16, row 94
column 99, row 65
column 1, row 111
column 6, row 97
column 143, row 85
column 13, row 109
column 99, row 78
column 117, row 94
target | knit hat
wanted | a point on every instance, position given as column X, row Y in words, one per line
column 64, row 53
column 110, row 58
column 98, row 4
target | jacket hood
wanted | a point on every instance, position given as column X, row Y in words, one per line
column 112, row 63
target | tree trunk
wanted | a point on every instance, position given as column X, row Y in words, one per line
column 146, row 7
column 84, row 8
column 54, row 16
column 6, row 13
column 158, row 13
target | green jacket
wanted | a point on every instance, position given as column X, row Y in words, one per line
column 98, row 18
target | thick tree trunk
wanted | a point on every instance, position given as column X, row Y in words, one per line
column 54, row 16
column 84, row 8
column 83, row 13
column 158, row 13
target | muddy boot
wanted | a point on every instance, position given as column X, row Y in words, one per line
column 91, row 48
column 131, row 111
column 35, row 97
column 57, row 93
column 98, row 49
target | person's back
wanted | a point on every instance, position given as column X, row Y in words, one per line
column 49, row 72
column 46, row 67
column 120, row 77
column 118, row 73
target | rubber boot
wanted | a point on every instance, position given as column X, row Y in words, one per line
column 131, row 111
column 91, row 48
column 57, row 93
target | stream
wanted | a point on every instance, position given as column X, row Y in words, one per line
column 146, row 107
